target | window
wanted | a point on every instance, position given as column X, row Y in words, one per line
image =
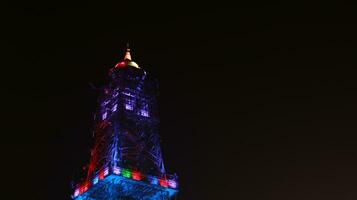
column 144, row 112
column 129, row 104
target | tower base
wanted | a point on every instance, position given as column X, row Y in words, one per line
column 115, row 187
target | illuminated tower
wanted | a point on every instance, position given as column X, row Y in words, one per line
column 126, row 160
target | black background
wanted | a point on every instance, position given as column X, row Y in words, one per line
column 258, row 100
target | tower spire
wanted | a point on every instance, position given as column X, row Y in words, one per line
column 127, row 53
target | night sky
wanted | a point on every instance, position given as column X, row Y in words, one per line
column 257, row 100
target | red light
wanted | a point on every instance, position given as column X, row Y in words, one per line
column 121, row 64
column 163, row 182
column 101, row 175
column 136, row 176
column 83, row 188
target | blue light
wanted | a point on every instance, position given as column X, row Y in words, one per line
column 95, row 180
column 153, row 180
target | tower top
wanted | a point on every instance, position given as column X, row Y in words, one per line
column 127, row 62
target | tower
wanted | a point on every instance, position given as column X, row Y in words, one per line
column 126, row 161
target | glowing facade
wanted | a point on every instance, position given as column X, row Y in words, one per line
column 126, row 160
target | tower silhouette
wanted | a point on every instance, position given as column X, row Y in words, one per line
column 126, row 160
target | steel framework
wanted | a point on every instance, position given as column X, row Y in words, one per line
column 126, row 160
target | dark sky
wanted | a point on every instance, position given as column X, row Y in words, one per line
column 258, row 100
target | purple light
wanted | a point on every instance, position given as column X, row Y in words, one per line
column 104, row 116
column 129, row 106
column 128, row 94
column 76, row 192
column 144, row 113
column 106, row 171
column 116, row 170
column 106, row 102
column 172, row 183
column 114, row 108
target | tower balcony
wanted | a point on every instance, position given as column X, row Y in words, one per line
column 121, row 183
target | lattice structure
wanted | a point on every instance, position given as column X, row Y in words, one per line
column 126, row 160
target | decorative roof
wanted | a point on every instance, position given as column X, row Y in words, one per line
column 127, row 61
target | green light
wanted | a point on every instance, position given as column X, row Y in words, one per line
column 126, row 173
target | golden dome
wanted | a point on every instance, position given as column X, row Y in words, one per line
column 133, row 64
column 127, row 61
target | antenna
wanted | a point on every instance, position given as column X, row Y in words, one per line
column 127, row 53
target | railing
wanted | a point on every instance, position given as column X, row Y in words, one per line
column 167, row 181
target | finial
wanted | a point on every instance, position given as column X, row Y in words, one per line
column 127, row 54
